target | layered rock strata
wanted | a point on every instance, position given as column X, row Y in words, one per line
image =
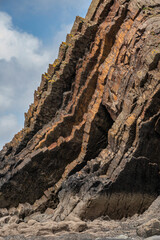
column 90, row 145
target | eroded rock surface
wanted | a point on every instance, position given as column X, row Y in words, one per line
column 90, row 145
column 42, row 226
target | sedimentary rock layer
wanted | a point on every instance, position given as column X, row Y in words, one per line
column 90, row 145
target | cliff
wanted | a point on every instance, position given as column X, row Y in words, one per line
column 91, row 140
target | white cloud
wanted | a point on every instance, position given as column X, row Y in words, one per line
column 22, row 46
column 23, row 59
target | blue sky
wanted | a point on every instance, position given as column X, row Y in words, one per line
column 30, row 34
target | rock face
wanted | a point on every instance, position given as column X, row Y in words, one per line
column 90, row 145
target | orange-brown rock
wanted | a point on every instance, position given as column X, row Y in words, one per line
column 90, row 145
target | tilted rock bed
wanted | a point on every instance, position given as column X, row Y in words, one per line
column 90, row 145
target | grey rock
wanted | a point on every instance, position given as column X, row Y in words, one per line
column 149, row 229
column 153, row 238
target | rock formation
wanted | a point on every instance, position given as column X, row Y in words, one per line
column 91, row 140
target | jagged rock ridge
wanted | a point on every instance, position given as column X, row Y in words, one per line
column 90, row 145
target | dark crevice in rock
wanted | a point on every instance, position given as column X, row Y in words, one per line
column 9, row 151
column 109, row 41
column 78, row 168
column 100, row 2
column 132, row 135
column 105, row 11
column 98, row 138
column 154, row 64
column 144, row 80
column 90, row 66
